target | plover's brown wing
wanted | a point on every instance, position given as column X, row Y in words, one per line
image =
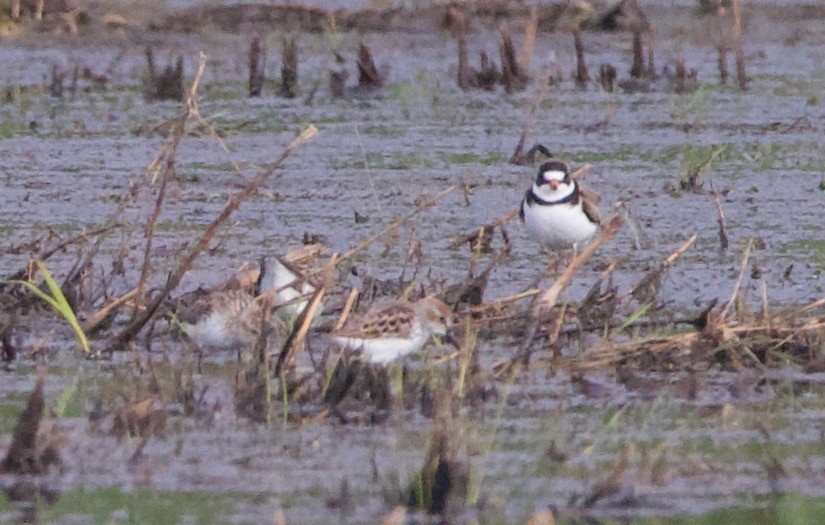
column 392, row 321
column 590, row 205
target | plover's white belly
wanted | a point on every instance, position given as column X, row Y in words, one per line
column 558, row 226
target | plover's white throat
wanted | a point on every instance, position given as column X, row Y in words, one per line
column 387, row 333
column 556, row 211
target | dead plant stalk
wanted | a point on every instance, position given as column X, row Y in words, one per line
column 742, row 267
column 665, row 264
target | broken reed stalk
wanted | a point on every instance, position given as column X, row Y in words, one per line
column 581, row 68
column 723, row 64
column 742, row 267
column 289, row 68
column 203, row 241
column 257, row 65
column 166, row 157
column 737, row 46
column 581, row 172
column 549, row 298
column 464, row 72
column 637, row 70
column 498, row 303
column 720, row 220
column 813, row 305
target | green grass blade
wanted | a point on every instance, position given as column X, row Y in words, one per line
column 36, row 291
column 58, row 302
column 635, row 316
column 63, row 307
column 66, row 396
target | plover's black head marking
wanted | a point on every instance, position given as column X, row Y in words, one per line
column 553, row 170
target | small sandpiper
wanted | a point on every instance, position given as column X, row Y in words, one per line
column 395, row 330
column 226, row 320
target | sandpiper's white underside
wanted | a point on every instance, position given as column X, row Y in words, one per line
column 213, row 331
column 385, row 349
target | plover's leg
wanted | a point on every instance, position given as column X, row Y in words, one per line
column 554, row 264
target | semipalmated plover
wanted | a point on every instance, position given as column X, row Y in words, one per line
column 556, row 211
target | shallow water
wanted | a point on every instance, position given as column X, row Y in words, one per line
column 64, row 162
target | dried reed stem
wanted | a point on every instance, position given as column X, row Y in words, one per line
column 95, row 319
column 742, row 267
column 581, row 172
column 813, row 305
column 353, row 295
column 720, row 220
column 498, row 303
column 149, row 230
